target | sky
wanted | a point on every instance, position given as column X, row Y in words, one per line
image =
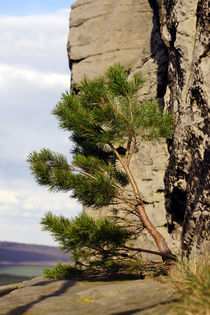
column 34, row 71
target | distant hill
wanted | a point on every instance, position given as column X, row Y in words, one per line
column 29, row 254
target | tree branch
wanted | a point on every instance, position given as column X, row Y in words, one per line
column 72, row 169
column 172, row 256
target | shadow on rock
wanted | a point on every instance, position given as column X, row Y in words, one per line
column 113, row 277
column 43, row 283
column 150, row 307
column 22, row 309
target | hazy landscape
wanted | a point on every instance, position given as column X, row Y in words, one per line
column 19, row 262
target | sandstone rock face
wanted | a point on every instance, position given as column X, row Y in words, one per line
column 167, row 42
column 106, row 32
column 185, row 31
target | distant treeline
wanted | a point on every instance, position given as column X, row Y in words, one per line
column 17, row 253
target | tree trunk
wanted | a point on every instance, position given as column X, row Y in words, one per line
column 158, row 238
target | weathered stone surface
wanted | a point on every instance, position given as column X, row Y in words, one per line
column 185, row 30
column 39, row 296
column 105, row 32
column 167, row 40
column 5, row 289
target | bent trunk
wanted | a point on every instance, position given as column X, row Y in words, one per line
column 158, row 238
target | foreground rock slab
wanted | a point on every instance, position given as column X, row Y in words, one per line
column 108, row 296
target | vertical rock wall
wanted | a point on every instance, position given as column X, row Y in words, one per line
column 185, row 31
column 167, row 41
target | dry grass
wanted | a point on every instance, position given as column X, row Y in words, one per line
column 191, row 279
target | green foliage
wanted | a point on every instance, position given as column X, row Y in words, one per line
column 62, row 271
column 118, row 82
column 105, row 112
column 52, row 170
column 68, row 272
column 153, row 123
column 95, row 246
column 92, row 243
column 83, row 231
column 106, row 121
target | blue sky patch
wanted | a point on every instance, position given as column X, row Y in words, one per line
column 28, row 7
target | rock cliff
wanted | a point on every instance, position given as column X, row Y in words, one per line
column 185, row 32
column 167, row 41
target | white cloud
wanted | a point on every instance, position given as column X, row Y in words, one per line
column 32, row 79
column 10, row 74
column 34, row 200
column 8, row 197
column 23, row 204
column 36, row 40
column 33, row 73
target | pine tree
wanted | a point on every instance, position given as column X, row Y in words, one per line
column 106, row 122
column 94, row 244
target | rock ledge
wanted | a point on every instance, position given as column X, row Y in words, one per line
column 40, row 296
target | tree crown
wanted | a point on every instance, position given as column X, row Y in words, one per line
column 106, row 121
